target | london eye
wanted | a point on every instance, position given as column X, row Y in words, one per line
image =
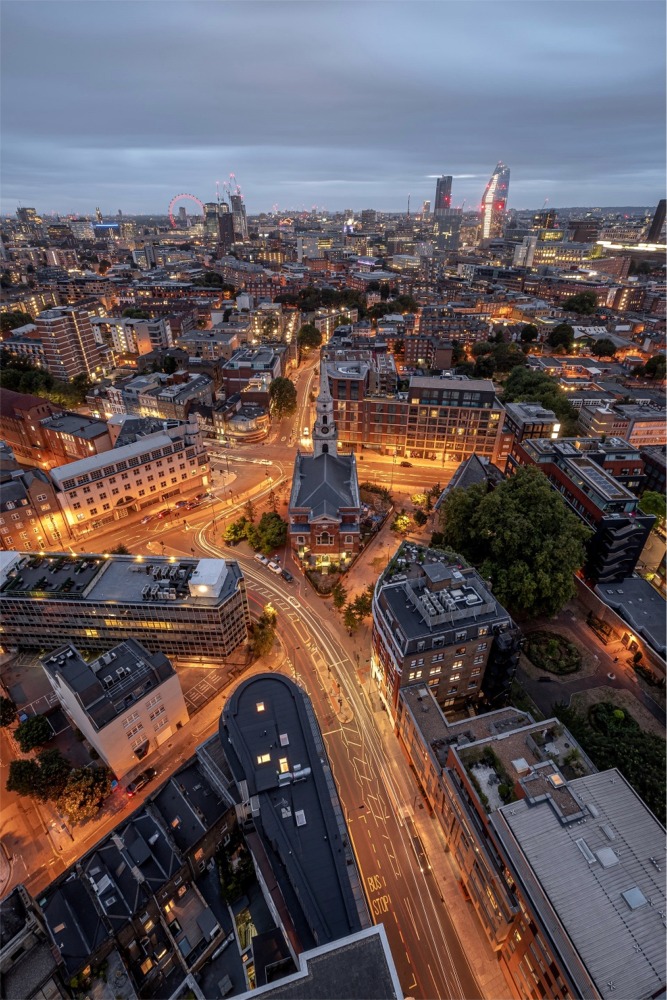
column 180, row 197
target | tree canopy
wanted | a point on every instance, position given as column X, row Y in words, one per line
column 84, row 793
column 268, row 535
column 309, row 337
column 561, row 335
column 653, row 502
column 584, row 303
column 33, row 732
column 263, row 633
column 603, row 348
column 529, row 333
column 282, row 394
column 7, row 712
column 654, row 368
column 22, row 376
column 526, row 386
column 12, row 320
column 132, row 312
column 522, row 537
column 612, row 738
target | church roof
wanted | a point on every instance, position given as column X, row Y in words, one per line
column 325, row 483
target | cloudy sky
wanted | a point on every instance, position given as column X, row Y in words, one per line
column 125, row 103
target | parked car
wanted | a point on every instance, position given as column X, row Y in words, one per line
column 181, row 503
column 262, row 559
column 141, row 780
column 192, row 505
column 286, row 575
column 275, row 567
column 163, row 513
column 406, row 465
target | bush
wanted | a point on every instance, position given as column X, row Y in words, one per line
column 552, row 652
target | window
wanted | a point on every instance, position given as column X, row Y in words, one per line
column 438, row 657
column 461, row 636
column 483, row 630
column 482, row 645
column 10, row 505
column 460, row 650
column 114, row 491
column 476, row 672
column 106, row 506
column 160, row 724
column 457, row 664
column 152, row 702
column 478, row 659
column 41, row 496
column 125, row 475
column 263, row 758
column 15, row 517
column 86, row 489
column 284, row 766
column 435, row 670
column 455, row 677
column 260, row 706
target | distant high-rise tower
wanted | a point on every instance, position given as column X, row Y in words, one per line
column 239, row 214
column 426, row 209
column 211, row 226
column 653, row 235
column 183, row 217
column 546, row 219
column 443, row 196
column 494, row 202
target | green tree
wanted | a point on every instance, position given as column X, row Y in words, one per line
column 401, row 523
column 237, row 530
column 613, row 738
column 507, row 356
column 653, row 502
column 482, row 347
column 362, row 605
column 84, row 793
column 562, row 335
column 420, row 518
column 526, row 386
column 529, row 333
column 132, row 312
column 103, row 266
column 458, row 353
column 309, row 337
column 250, row 511
column 12, row 320
column 584, row 304
column 209, row 279
column 24, row 777
column 267, row 536
column 350, row 620
column 485, row 366
column 339, row 596
column 522, row 537
column 33, row 732
column 119, row 550
column 54, row 771
column 169, row 364
column 603, row 348
column 282, row 395
column 263, row 634
column 654, row 368
column 7, row 712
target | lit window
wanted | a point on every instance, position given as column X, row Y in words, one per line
column 284, row 766
column 260, row 706
column 263, row 758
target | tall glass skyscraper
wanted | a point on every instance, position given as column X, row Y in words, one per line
column 443, row 197
column 494, row 202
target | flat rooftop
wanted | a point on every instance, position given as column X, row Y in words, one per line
column 587, row 473
column 434, row 594
column 114, row 579
column 604, row 881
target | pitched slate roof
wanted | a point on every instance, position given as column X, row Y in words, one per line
column 325, row 484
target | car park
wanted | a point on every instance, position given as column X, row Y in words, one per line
column 141, row 780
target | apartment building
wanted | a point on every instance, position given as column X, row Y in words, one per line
column 20, row 425
column 439, row 418
column 530, row 420
column 70, row 347
column 133, row 336
column 195, row 609
column 249, row 363
column 561, row 865
column 28, row 966
column 30, row 515
column 588, row 476
column 435, row 622
column 167, row 397
column 126, row 702
column 102, row 488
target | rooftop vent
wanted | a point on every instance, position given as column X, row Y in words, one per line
column 634, row 897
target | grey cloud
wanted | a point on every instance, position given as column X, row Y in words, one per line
column 131, row 100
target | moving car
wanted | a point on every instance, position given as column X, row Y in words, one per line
column 286, row 575
column 406, row 465
column 181, row 503
column 141, row 780
column 163, row 513
column 145, row 520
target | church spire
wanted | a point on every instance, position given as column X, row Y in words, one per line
column 324, row 431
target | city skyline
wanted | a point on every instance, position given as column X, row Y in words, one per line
column 345, row 112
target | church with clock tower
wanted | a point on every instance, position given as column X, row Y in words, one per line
column 324, row 507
